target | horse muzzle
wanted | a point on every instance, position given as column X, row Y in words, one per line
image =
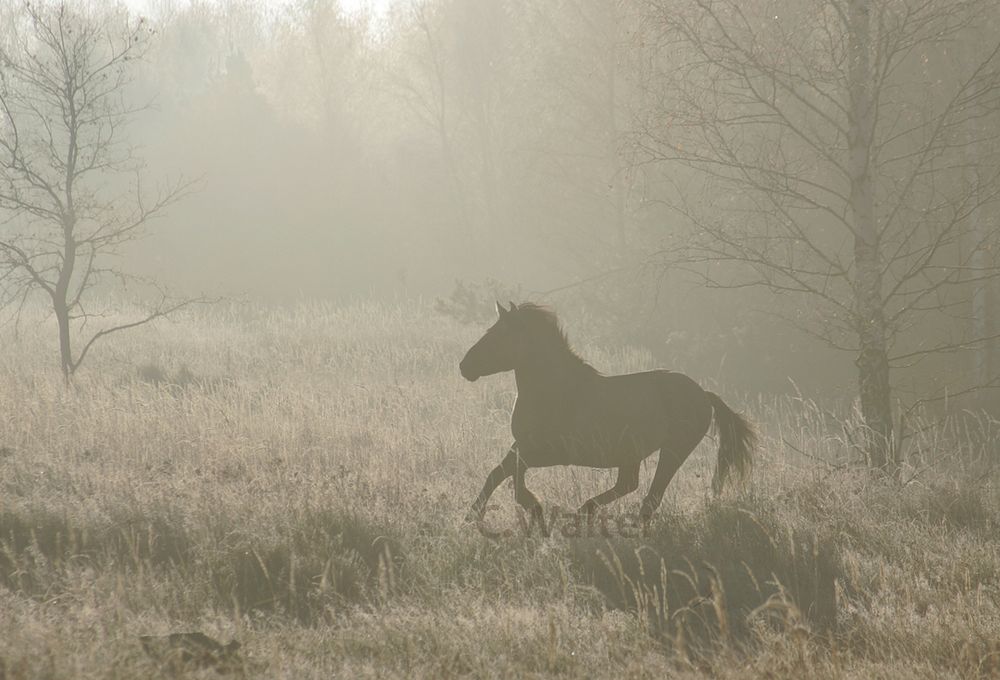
column 467, row 372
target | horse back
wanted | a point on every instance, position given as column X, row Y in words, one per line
column 613, row 419
column 658, row 400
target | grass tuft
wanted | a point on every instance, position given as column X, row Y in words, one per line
column 326, row 562
column 711, row 578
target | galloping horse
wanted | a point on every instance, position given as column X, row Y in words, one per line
column 567, row 413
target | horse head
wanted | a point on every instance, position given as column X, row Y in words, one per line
column 498, row 350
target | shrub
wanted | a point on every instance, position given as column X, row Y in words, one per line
column 713, row 577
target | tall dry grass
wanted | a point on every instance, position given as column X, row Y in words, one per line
column 297, row 480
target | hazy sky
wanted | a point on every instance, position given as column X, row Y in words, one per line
column 350, row 5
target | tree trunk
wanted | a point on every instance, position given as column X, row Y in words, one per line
column 65, row 347
column 60, row 297
column 613, row 156
column 873, row 358
column 979, row 260
column 494, row 223
column 873, row 361
column 981, row 326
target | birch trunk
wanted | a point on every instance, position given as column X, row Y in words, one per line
column 873, row 360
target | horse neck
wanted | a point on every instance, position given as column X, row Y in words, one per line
column 552, row 372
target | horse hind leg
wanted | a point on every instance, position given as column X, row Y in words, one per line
column 626, row 483
column 667, row 466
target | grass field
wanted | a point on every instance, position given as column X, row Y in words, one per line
column 298, row 481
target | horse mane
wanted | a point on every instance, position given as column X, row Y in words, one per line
column 545, row 317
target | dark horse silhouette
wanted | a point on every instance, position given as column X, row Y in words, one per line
column 567, row 413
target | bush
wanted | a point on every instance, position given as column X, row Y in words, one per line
column 712, row 578
column 328, row 560
column 475, row 303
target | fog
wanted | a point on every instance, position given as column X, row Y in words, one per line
column 670, row 175
column 333, row 337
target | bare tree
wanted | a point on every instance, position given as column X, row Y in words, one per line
column 833, row 165
column 422, row 82
column 584, row 80
column 457, row 74
column 71, row 193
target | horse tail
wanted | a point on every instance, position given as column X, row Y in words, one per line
column 737, row 441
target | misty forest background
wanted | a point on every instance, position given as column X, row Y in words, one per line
column 519, row 148
column 258, row 237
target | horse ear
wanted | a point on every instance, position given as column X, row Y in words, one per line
column 500, row 310
column 513, row 307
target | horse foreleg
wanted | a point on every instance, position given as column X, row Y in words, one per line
column 525, row 498
column 627, row 482
column 501, row 472
column 666, row 468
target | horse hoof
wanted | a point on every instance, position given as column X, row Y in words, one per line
column 646, row 514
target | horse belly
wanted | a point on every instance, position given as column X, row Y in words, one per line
column 612, row 449
column 588, row 447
